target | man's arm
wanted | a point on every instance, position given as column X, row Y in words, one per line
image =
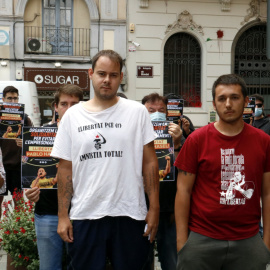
column 151, row 186
column 64, row 191
column 185, row 182
column 266, row 208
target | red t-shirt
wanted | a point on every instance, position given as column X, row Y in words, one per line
column 225, row 201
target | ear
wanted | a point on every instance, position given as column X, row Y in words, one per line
column 121, row 76
column 90, row 72
column 214, row 105
column 56, row 107
column 246, row 101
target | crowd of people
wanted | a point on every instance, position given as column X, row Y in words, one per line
column 109, row 201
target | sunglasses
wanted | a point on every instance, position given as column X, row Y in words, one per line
column 259, row 105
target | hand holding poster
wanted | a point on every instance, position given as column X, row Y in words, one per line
column 11, row 120
column 38, row 167
column 164, row 151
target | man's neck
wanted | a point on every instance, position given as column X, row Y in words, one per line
column 229, row 129
column 98, row 105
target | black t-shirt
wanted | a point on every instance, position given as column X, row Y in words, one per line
column 47, row 203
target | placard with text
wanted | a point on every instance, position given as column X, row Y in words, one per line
column 11, row 120
column 249, row 110
column 38, row 167
column 175, row 110
column 164, row 150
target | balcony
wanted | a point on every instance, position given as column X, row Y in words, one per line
column 57, row 41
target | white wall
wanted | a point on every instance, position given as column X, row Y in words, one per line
column 150, row 26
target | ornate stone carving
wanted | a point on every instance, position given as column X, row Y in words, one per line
column 225, row 5
column 257, row 9
column 144, row 3
column 184, row 22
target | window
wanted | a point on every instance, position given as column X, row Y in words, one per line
column 182, row 68
column 252, row 64
column 57, row 23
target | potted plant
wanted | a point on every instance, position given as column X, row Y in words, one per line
column 17, row 232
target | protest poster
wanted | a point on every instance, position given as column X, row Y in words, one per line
column 11, row 120
column 38, row 167
column 164, row 150
column 175, row 109
column 249, row 110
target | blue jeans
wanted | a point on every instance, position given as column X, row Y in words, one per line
column 50, row 245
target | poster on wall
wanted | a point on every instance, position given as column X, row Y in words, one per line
column 164, row 150
column 11, row 120
column 249, row 110
column 38, row 167
column 175, row 110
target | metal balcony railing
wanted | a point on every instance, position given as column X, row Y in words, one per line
column 57, row 41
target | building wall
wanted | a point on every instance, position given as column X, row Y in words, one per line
column 150, row 32
column 81, row 15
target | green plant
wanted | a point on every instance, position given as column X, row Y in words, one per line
column 17, row 232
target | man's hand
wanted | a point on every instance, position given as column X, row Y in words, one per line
column 32, row 194
column 152, row 223
column 176, row 132
column 19, row 142
column 65, row 229
column 185, row 125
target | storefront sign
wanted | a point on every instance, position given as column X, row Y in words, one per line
column 51, row 79
column 145, row 71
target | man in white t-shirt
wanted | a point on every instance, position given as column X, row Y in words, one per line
column 105, row 146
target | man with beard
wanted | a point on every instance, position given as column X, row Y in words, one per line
column 207, row 221
column 105, row 145
column 260, row 120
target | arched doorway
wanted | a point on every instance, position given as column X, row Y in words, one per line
column 251, row 63
column 182, row 68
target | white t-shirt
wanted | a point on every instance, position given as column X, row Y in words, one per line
column 106, row 150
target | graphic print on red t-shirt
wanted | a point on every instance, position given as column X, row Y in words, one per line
column 234, row 187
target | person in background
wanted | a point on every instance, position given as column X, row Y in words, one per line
column 2, row 178
column 12, row 148
column 166, row 235
column 223, row 171
column 260, row 120
column 50, row 245
column 105, row 145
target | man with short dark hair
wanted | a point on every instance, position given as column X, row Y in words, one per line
column 260, row 120
column 50, row 245
column 12, row 148
column 166, row 235
column 224, row 170
column 105, row 145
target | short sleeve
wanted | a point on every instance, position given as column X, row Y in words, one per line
column 62, row 143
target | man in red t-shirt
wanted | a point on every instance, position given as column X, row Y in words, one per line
column 224, row 170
